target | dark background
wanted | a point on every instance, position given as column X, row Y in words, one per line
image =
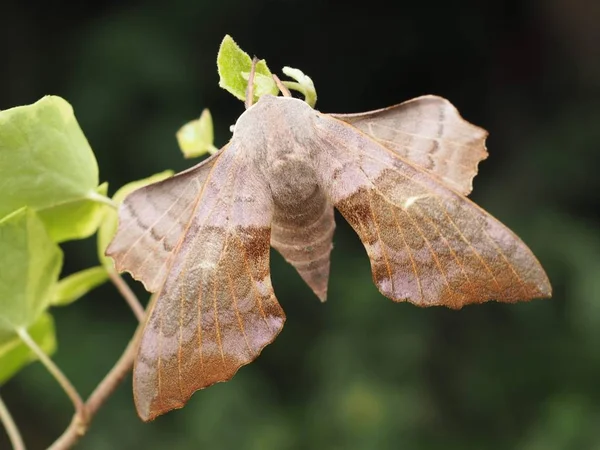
column 358, row 372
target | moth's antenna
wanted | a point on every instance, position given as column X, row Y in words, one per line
column 250, row 87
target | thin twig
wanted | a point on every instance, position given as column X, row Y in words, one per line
column 113, row 378
column 55, row 371
column 127, row 294
column 11, row 427
column 250, row 87
column 106, row 387
column 99, row 198
column 78, row 427
column 282, row 87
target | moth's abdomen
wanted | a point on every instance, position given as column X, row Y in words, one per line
column 303, row 222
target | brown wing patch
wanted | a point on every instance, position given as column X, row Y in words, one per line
column 153, row 220
column 216, row 309
column 428, row 131
column 427, row 244
column 199, row 334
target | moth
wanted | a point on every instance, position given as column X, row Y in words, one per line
column 201, row 239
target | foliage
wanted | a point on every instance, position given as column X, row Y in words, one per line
column 234, row 68
column 14, row 354
column 47, row 164
column 196, row 137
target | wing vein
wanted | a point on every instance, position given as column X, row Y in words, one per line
column 503, row 256
column 435, row 258
column 385, row 256
column 195, row 207
column 180, row 340
column 237, row 313
column 409, row 251
column 186, row 265
column 159, row 360
column 428, row 138
column 433, row 195
column 258, row 297
column 422, row 186
column 147, row 230
column 451, row 249
column 147, row 257
column 199, row 308
column 446, row 160
column 217, row 325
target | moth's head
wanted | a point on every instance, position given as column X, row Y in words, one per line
column 270, row 113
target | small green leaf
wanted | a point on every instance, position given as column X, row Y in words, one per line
column 30, row 263
column 196, row 138
column 304, row 84
column 78, row 284
column 109, row 224
column 232, row 61
column 14, row 354
column 77, row 219
column 262, row 84
column 47, row 164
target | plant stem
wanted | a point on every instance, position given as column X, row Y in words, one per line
column 93, row 195
column 54, row 370
column 282, row 87
column 78, row 427
column 106, row 387
column 11, row 427
column 127, row 294
column 310, row 97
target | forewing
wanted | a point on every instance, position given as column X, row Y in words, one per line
column 428, row 131
column 427, row 244
column 216, row 310
column 152, row 221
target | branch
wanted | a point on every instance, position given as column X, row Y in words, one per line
column 78, row 428
column 127, row 294
column 80, row 422
column 11, row 428
column 55, row 371
column 103, row 199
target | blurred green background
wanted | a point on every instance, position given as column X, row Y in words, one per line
column 358, row 372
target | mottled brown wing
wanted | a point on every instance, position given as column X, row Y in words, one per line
column 428, row 131
column 152, row 221
column 216, row 310
column 427, row 244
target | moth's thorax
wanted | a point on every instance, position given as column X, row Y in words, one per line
column 274, row 124
column 277, row 131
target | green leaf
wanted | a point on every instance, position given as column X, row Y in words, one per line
column 196, row 138
column 232, row 62
column 304, row 84
column 47, row 164
column 77, row 219
column 78, row 284
column 29, row 267
column 263, row 84
column 109, row 224
column 14, row 354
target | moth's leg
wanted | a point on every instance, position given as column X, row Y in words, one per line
column 285, row 91
column 250, row 87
